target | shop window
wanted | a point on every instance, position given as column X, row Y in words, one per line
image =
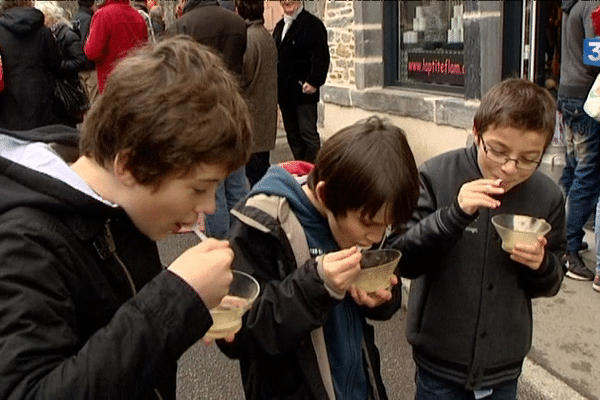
column 425, row 44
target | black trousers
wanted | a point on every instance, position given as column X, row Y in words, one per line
column 257, row 166
column 300, row 123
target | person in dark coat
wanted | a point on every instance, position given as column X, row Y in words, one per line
column 259, row 85
column 71, row 50
column 83, row 18
column 87, row 75
column 301, row 40
column 30, row 57
column 215, row 27
column 69, row 43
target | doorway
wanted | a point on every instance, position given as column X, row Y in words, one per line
column 532, row 41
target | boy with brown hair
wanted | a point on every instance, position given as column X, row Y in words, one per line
column 306, row 335
column 469, row 312
column 88, row 311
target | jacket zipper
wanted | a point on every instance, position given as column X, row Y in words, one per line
column 112, row 247
column 113, row 250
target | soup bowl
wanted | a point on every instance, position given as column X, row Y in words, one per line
column 514, row 228
column 376, row 268
column 227, row 316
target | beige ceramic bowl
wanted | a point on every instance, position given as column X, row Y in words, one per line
column 519, row 229
column 376, row 268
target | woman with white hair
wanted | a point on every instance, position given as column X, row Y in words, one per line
column 69, row 44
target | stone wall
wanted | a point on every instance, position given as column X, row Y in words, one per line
column 339, row 20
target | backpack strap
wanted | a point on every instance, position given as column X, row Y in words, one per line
column 279, row 208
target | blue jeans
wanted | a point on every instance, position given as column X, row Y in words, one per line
column 430, row 387
column 229, row 192
column 597, row 235
column 581, row 176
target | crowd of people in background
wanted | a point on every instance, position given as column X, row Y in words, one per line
column 88, row 44
column 145, row 181
column 64, row 49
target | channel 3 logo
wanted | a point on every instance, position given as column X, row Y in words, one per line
column 591, row 51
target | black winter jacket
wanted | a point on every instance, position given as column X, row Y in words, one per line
column 83, row 19
column 469, row 312
column 71, row 49
column 73, row 60
column 216, row 27
column 303, row 56
column 30, row 60
column 87, row 310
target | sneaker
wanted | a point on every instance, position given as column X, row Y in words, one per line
column 576, row 269
column 596, row 284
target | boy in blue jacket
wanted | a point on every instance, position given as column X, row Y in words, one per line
column 469, row 312
column 306, row 336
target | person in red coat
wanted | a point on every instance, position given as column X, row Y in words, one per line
column 116, row 28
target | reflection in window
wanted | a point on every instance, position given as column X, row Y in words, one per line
column 431, row 43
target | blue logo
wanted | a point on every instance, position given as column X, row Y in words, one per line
column 591, row 51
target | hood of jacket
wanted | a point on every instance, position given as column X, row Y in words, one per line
column 567, row 5
column 85, row 10
column 110, row 2
column 191, row 4
column 24, row 186
column 277, row 181
column 22, row 20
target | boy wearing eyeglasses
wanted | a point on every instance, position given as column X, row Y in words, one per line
column 469, row 312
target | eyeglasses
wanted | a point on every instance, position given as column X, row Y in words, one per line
column 501, row 158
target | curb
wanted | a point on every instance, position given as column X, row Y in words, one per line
column 536, row 383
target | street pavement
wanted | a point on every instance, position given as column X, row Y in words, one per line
column 563, row 364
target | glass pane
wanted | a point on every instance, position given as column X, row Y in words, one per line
column 431, row 40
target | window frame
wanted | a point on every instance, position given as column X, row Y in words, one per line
column 391, row 54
